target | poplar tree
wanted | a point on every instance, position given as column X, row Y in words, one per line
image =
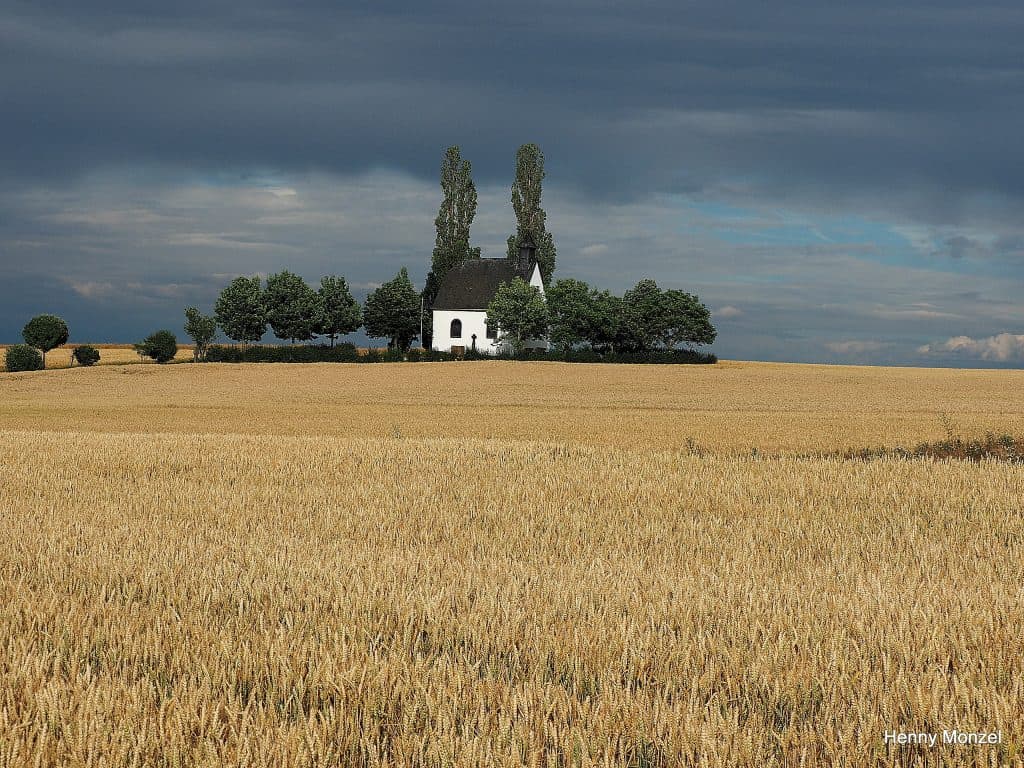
column 531, row 221
column 454, row 219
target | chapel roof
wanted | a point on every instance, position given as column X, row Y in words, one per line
column 473, row 283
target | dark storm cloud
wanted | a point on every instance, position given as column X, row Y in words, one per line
column 624, row 97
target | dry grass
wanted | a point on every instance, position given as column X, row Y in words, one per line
column 110, row 354
column 357, row 596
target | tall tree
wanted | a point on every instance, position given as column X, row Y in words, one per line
column 452, row 225
column 292, row 307
column 520, row 313
column 339, row 313
column 393, row 312
column 202, row 329
column 531, row 221
column 239, row 310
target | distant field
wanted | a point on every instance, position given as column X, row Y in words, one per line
column 504, row 564
column 731, row 406
column 117, row 354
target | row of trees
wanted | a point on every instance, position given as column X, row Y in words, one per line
column 576, row 316
column 296, row 312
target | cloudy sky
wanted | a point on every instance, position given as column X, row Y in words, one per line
column 838, row 182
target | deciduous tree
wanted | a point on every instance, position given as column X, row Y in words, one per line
column 339, row 313
column 202, row 329
column 520, row 313
column 393, row 312
column 45, row 332
column 292, row 307
column 239, row 310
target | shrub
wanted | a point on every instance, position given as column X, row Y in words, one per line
column 347, row 353
column 22, row 357
column 299, row 353
column 161, row 346
column 45, row 332
column 86, row 355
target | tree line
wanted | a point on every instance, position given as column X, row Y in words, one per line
column 294, row 311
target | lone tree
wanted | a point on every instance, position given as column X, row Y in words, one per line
column 454, row 219
column 201, row 328
column 239, row 310
column 531, row 221
column 393, row 312
column 520, row 313
column 338, row 312
column 45, row 332
column 161, row 346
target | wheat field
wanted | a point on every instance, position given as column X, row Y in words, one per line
column 504, row 564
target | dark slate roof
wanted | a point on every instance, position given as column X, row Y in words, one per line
column 472, row 284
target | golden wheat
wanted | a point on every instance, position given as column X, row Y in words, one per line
column 357, row 596
column 726, row 407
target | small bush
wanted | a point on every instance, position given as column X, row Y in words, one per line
column 22, row 357
column 162, row 346
column 86, row 355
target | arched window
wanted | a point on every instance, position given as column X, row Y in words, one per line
column 456, row 329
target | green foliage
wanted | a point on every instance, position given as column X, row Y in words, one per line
column 455, row 216
column 606, row 325
column 393, row 312
column 86, row 355
column 666, row 319
column 22, row 357
column 293, row 353
column 347, row 353
column 339, row 313
column 531, row 220
column 642, row 324
column 581, row 315
column 239, row 310
column 202, row 329
column 45, row 332
column 454, row 219
column 520, row 312
column 161, row 346
column 685, row 320
column 292, row 307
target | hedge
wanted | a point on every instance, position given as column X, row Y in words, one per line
column 347, row 353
